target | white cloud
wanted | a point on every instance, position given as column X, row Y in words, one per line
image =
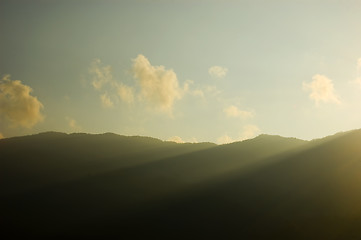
column 248, row 131
column 218, row 71
column 17, row 105
column 101, row 75
column 176, row 139
column 125, row 93
column 159, row 87
column 106, row 101
column 359, row 64
column 155, row 86
column 233, row 111
column 321, row 90
column 72, row 123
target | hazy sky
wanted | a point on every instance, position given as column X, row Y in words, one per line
column 216, row 71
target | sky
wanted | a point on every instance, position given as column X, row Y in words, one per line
column 185, row 71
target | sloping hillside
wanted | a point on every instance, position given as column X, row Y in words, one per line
column 268, row 187
column 39, row 160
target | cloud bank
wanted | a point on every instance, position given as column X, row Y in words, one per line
column 159, row 87
column 321, row 90
column 218, row 71
column 17, row 105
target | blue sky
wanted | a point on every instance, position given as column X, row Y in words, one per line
column 216, row 71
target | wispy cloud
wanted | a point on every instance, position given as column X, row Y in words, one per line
column 248, row 131
column 321, row 90
column 357, row 81
column 17, row 105
column 233, row 111
column 225, row 139
column 218, row 71
column 159, row 87
column 194, row 92
column 106, row 101
column 125, row 93
column 73, row 124
column 213, row 90
column 358, row 78
column 101, row 74
column 102, row 79
column 176, row 139
column 193, row 140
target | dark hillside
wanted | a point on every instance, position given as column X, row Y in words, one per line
column 268, row 187
column 43, row 159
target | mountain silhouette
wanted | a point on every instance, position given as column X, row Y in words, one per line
column 269, row 187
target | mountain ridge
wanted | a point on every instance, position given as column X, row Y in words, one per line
column 100, row 185
column 263, row 135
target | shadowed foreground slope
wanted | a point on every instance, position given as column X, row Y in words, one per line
column 269, row 187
